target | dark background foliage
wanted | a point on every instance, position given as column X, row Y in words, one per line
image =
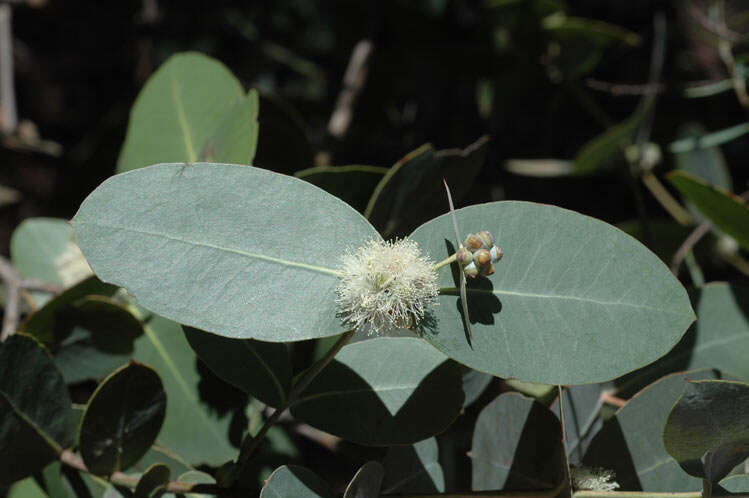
column 79, row 66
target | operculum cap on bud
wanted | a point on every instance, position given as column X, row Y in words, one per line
column 487, row 238
column 496, row 254
column 470, row 270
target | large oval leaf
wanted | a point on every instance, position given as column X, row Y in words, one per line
column 292, row 481
column 630, row 443
column 44, row 248
column 707, row 430
column 35, row 408
column 234, row 250
column 384, row 391
column 122, row 419
column 517, row 445
column 180, row 109
column 413, row 469
column 573, row 301
column 261, row 369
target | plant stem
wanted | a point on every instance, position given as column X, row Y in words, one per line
column 304, row 381
column 73, row 460
column 707, row 488
column 448, row 260
column 635, row 494
column 665, row 199
column 568, row 477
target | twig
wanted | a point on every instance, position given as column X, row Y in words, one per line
column 9, row 117
column 665, row 199
column 15, row 285
column 688, row 244
column 613, row 400
column 304, row 381
column 568, row 477
column 625, row 89
column 721, row 31
column 73, row 460
column 353, row 82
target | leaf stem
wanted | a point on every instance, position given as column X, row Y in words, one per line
column 299, row 386
column 448, row 260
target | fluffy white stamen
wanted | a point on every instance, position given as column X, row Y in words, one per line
column 593, row 478
column 385, row 285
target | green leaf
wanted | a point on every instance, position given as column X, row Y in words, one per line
column 292, row 481
column 710, row 140
column 706, row 163
column 35, row 408
column 179, row 111
column 235, row 139
column 153, row 481
column 254, row 258
column 367, row 481
column 197, row 477
column 735, row 484
column 631, row 442
column 283, row 145
column 719, row 339
column 573, row 301
column 261, row 369
column 44, row 248
column 122, row 419
column 474, row 384
column 54, row 484
column 48, row 324
column 99, row 336
column 413, row 469
column 191, row 428
column 517, row 445
column 599, row 32
column 582, row 405
column 411, row 192
column 727, row 211
column 602, row 151
column 706, row 431
column 352, row 184
column 384, row 391
column 26, row 488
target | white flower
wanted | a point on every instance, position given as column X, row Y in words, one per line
column 385, row 285
column 593, row 478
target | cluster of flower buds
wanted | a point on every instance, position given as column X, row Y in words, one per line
column 478, row 255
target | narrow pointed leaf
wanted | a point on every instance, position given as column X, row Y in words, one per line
column 573, row 301
column 384, row 391
column 237, row 251
column 178, row 111
column 706, row 431
column 122, row 419
column 35, row 408
column 727, row 211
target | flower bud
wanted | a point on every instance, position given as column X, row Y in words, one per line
column 487, row 270
column 470, row 270
column 463, row 256
column 474, row 243
column 496, row 254
column 482, row 258
column 487, row 238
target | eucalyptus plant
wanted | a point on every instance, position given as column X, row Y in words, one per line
column 196, row 273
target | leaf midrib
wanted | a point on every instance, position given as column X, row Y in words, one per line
column 270, row 259
column 453, row 291
column 47, row 439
